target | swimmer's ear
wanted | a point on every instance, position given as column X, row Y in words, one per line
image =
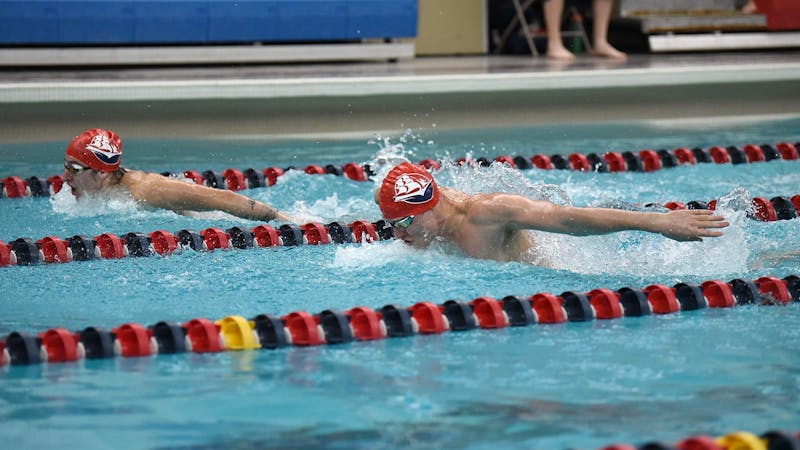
column 377, row 196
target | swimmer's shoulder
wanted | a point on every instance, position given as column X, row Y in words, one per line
column 144, row 185
column 133, row 177
column 137, row 178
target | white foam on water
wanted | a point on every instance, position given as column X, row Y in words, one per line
column 359, row 257
column 92, row 205
column 638, row 253
column 390, row 252
column 331, row 208
column 390, row 154
column 497, row 177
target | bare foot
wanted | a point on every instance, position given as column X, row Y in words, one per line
column 605, row 50
column 559, row 52
column 750, row 8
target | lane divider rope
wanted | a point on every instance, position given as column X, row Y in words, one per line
column 738, row 440
column 361, row 323
column 765, row 210
column 52, row 249
column 643, row 161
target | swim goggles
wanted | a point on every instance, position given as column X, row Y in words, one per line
column 403, row 222
column 74, row 168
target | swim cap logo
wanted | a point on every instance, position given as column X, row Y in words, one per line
column 104, row 149
column 413, row 188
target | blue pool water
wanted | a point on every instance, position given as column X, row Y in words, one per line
column 578, row 385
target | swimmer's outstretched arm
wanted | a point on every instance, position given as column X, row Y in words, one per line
column 162, row 192
column 520, row 212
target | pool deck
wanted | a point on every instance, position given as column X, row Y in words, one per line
column 361, row 98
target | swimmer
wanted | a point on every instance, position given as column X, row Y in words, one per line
column 92, row 165
column 491, row 226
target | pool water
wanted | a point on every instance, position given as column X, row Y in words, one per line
column 576, row 385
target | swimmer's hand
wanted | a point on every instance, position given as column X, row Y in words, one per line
column 691, row 224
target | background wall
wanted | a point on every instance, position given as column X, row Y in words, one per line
column 452, row 27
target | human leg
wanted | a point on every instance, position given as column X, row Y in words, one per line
column 602, row 17
column 552, row 20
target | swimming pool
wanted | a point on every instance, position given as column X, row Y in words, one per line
column 578, row 385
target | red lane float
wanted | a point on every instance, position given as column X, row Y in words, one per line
column 489, row 312
column 580, row 162
column 216, row 239
column 787, row 151
column 59, row 345
column 685, row 156
column 234, row 180
column 775, row 287
column 606, row 303
column 54, row 250
column 720, row 155
column 542, row 162
column 549, row 308
column 315, row 233
column 132, row 340
column 674, row 205
column 271, row 175
column 430, row 164
column 164, row 242
column 364, row 231
column 194, row 176
column 754, row 153
column 303, row 328
column 615, row 162
column 764, row 210
column 429, row 318
column 15, row 187
column 56, row 182
column 314, row 170
column 367, row 324
column 354, row 172
column 203, row 336
column 266, row 236
column 111, row 246
column 507, row 160
column 650, row 160
column 662, row 299
column 718, row 294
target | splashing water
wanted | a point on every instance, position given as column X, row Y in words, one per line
column 331, row 208
column 370, row 256
column 470, row 178
column 64, row 202
column 497, row 177
column 374, row 255
column 635, row 253
column 390, row 154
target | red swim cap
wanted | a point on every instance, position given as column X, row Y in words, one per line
column 408, row 190
column 98, row 149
